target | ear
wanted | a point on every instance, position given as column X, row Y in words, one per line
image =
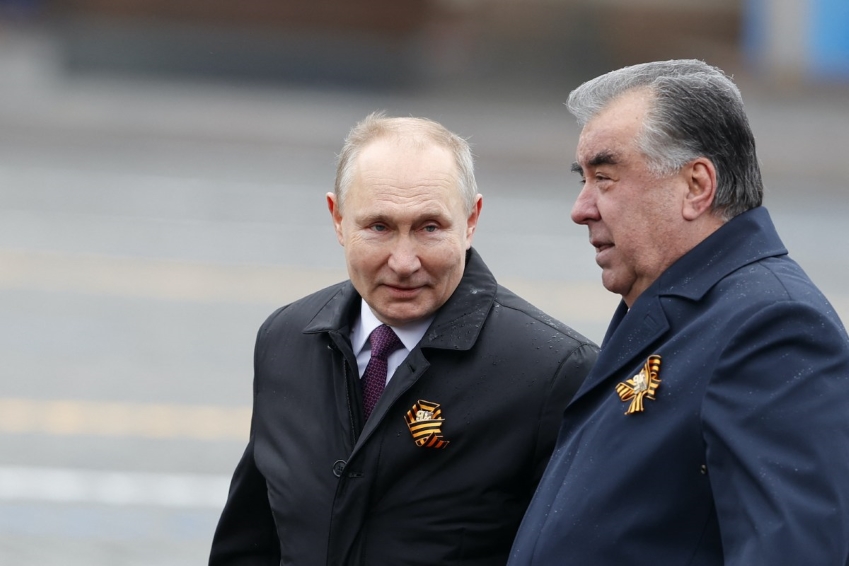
column 700, row 176
column 336, row 215
column 472, row 221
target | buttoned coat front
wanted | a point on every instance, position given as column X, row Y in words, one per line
column 318, row 486
column 742, row 458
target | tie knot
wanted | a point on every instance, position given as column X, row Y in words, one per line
column 384, row 341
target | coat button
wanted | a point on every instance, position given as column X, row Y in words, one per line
column 338, row 468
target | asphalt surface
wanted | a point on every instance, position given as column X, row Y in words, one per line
column 148, row 226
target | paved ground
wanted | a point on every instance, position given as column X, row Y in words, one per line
column 148, row 227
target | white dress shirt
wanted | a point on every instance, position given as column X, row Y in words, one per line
column 409, row 334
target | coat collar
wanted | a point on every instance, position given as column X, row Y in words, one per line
column 457, row 324
column 745, row 239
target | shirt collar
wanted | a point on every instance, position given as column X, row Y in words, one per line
column 409, row 334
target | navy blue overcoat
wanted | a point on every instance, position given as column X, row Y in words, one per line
column 742, row 457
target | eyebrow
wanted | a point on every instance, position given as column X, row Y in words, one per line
column 603, row 158
column 600, row 158
column 434, row 213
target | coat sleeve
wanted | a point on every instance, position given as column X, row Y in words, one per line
column 776, row 431
column 569, row 377
column 246, row 534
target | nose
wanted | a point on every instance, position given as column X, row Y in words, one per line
column 585, row 210
column 404, row 259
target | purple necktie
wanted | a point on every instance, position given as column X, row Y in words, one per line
column 383, row 342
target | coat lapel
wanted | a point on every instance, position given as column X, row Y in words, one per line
column 405, row 377
column 630, row 334
column 456, row 327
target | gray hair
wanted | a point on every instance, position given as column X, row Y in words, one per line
column 417, row 130
column 696, row 111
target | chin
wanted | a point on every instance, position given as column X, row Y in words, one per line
column 612, row 286
column 399, row 318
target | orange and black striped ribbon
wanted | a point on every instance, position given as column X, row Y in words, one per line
column 641, row 385
column 425, row 423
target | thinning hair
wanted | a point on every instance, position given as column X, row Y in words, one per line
column 695, row 110
column 419, row 131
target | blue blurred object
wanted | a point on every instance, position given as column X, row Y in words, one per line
column 828, row 39
column 809, row 39
column 755, row 33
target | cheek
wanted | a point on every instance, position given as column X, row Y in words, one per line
column 448, row 266
column 644, row 248
column 362, row 256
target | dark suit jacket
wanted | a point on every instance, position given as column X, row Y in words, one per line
column 318, row 486
column 743, row 457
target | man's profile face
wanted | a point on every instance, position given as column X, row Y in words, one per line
column 634, row 217
column 404, row 228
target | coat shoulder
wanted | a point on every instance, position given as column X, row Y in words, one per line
column 536, row 320
column 298, row 314
column 768, row 281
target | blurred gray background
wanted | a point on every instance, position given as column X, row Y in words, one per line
column 163, row 166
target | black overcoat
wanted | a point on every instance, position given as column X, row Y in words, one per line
column 317, row 485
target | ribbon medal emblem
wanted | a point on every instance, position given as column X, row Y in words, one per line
column 644, row 384
column 425, row 423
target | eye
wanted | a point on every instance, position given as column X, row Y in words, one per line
column 378, row 227
column 431, row 228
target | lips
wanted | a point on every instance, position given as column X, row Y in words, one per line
column 402, row 290
column 402, row 287
column 600, row 245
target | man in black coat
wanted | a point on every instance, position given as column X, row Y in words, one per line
column 426, row 454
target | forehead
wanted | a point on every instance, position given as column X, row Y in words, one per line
column 614, row 131
column 393, row 170
column 402, row 163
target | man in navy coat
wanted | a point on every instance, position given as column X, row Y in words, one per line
column 714, row 428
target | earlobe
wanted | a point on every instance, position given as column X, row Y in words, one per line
column 701, row 188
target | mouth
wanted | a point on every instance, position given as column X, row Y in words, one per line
column 600, row 245
column 402, row 291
